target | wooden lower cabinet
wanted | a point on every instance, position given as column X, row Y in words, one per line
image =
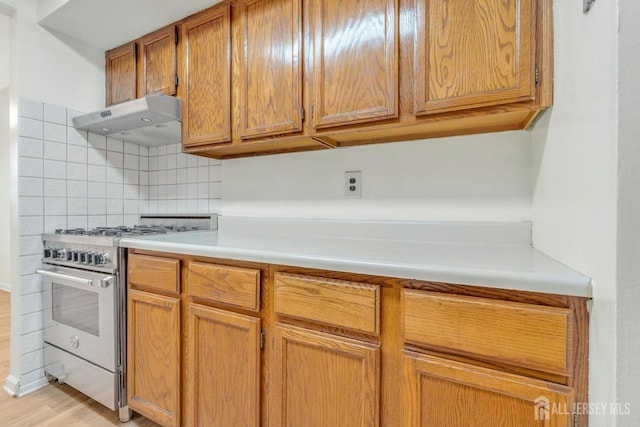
column 441, row 392
column 218, row 343
column 223, row 365
column 153, row 356
column 321, row 380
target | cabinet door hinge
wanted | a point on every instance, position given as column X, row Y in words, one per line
column 312, row 112
column 177, row 36
column 262, row 340
column 302, row 114
column 176, row 80
column 575, row 419
column 537, row 74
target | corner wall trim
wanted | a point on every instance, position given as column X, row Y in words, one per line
column 12, row 386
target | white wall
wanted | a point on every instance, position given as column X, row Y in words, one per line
column 478, row 178
column 628, row 316
column 53, row 68
column 5, row 208
column 574, row 173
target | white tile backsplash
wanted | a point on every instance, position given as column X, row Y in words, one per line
column 55, row 114
column 30, row 206
column 55, row 206
column 31, row 225
column 55, row 169
column 30, row 128
column 55, row 187
column 29, row 147
column 30, row 108
column 77, row 171
column 97, row 141
column 30, row 283
column 55, row 132
column 70, row 178
column 28, row 186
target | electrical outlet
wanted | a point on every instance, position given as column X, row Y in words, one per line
column 353, row 184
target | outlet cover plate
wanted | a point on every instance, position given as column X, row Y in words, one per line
column 353, row 184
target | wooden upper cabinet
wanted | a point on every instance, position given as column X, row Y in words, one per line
column 121, row 74
column 157, row 56
column 473, row 53
column 206, row 77
column 355, row 61
column 270, row 67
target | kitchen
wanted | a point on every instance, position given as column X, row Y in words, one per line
column 573, row 172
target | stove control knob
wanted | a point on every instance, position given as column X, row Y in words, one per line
column 68, row 255
column 82, row 257
column 101, row 258
column 90, row 258
column 54, row 253
column 61, row 253
column 74, row 341
column 76, row 256
column 47, row 252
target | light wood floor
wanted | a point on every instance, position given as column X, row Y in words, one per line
column 54, row 404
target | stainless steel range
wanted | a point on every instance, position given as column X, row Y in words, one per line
column 84, row 284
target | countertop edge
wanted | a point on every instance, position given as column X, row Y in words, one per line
column 575, row 285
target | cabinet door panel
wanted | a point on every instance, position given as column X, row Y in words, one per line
column 121, row 69
column 441, row 392
column 355, row 64
column 324, row 380
column 153, row 356
column 158, row 62
column 270, row 68
column 224, row 368
column 473, row 53
column 206, row 92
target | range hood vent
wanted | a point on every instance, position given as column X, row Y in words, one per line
column 152, row 120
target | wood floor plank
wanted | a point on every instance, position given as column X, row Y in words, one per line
column 53, row 405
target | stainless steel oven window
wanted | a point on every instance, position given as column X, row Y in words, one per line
column 76, row 308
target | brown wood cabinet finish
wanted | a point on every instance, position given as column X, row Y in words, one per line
column 158, row 62
column 355, row 61
column 234, row 286
column 206, row 77
column 153, row 356
column 223, row 353
column 441, row 392
column 338, row 303
column 527, row 335
column 473, row 53
column 442, row 354
column 121, row 72
column 324, row 380
column 270, row 67
column 154, row 273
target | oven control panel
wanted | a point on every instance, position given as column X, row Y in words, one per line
column 88, row 257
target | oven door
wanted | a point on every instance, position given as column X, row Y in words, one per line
column 79, row 313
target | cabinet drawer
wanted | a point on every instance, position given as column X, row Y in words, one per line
column 154, row 272
column 348, row 305
column 527, row 335
column 235, row 286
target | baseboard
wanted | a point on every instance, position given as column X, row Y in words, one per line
column 11, row 385
column 5, row 287
column 31, row 387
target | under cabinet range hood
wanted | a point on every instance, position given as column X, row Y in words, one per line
column 152, row 120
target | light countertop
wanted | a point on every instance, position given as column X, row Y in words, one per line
column 496, row 255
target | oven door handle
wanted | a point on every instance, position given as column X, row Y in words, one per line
column 102, row 283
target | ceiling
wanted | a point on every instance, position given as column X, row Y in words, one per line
column 108, row 24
